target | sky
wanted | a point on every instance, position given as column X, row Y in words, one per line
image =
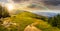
column 50, row 2
column 47, row 2
column 48, row 13
column 54, row 11
column 5, row 1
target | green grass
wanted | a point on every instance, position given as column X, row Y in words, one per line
column 24, row 19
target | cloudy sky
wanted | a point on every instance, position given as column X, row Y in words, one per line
column 5, row 1
column 48, row 13
column 51, row 4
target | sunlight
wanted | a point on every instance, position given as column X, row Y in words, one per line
column 10, row 7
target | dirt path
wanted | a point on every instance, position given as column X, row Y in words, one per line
column 31, row 28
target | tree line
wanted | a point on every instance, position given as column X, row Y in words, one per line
column 55, row 21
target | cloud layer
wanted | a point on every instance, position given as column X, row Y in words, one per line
column 52, row 2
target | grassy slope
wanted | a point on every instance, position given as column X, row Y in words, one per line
column 26, row 18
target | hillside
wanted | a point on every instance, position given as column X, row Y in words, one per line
column 26, row 18
column 20, row 21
